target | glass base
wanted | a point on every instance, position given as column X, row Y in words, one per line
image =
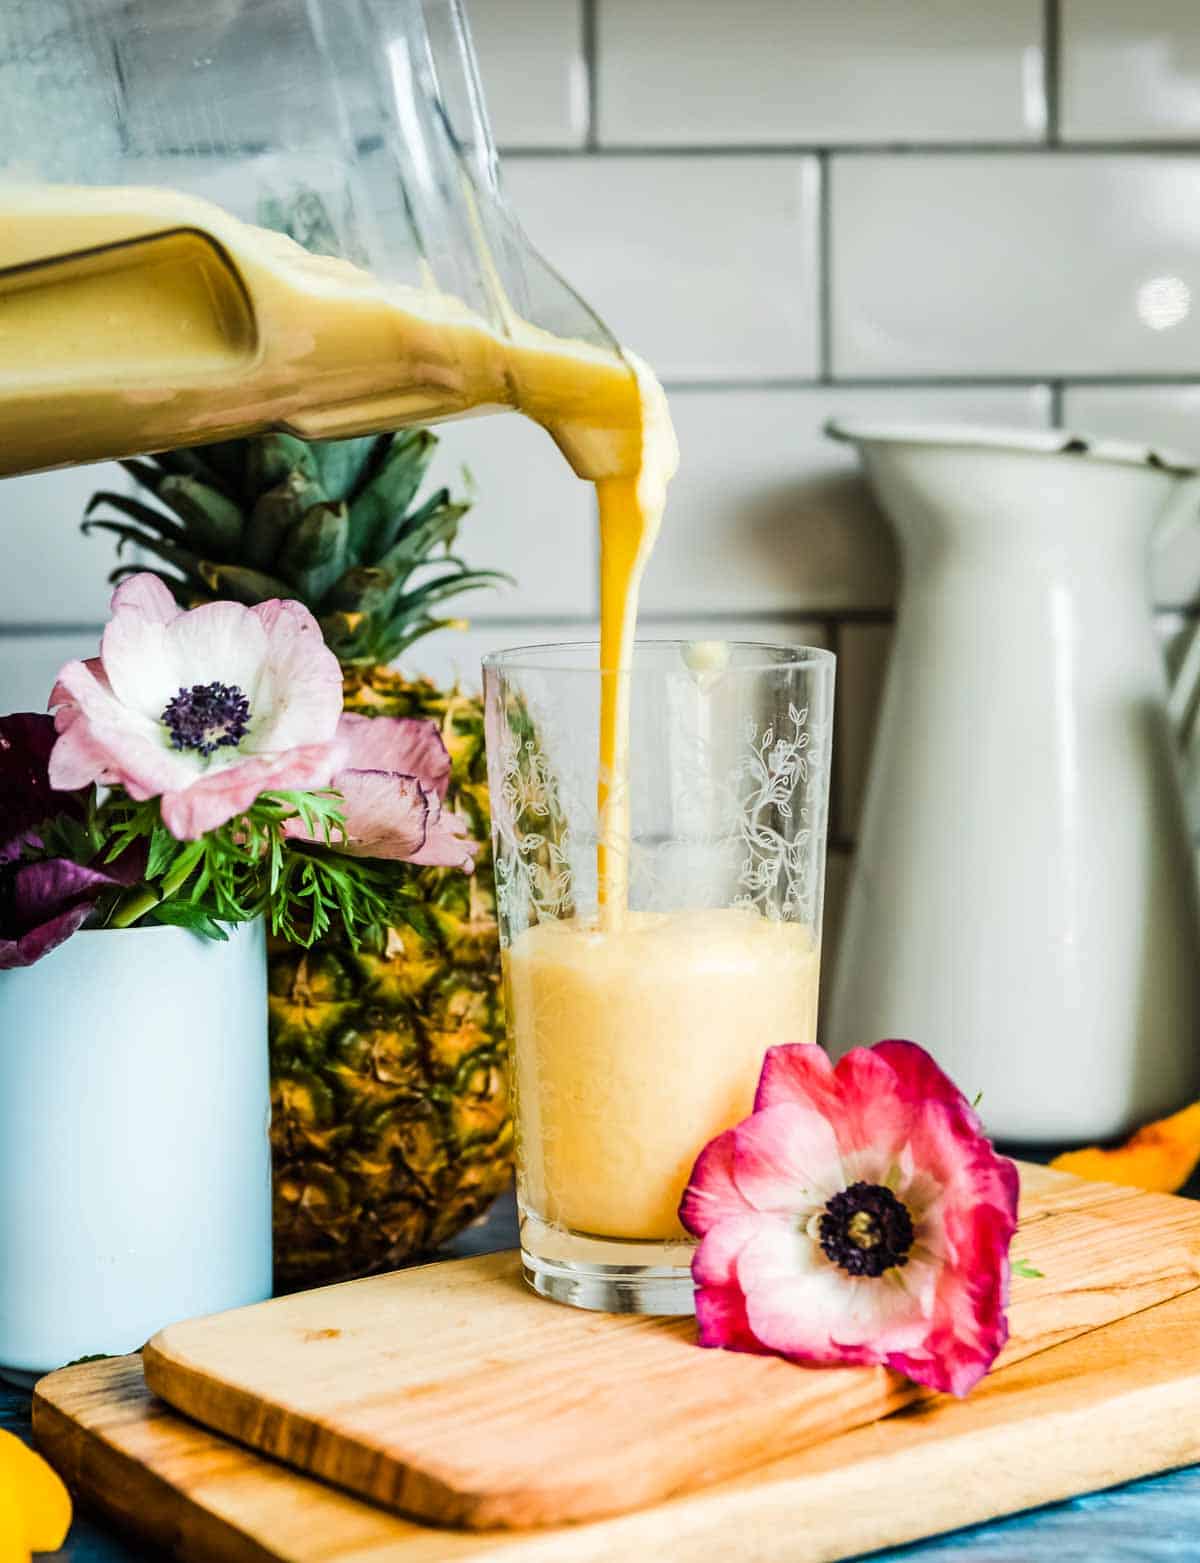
column 609, row 1275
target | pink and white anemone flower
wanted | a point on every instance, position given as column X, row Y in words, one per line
column 859, row 1215
column 205, row 709
column 392, row 773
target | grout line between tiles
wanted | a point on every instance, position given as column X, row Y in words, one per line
column 824, row 269
column 1051, row 73
column 1056, row 389
column 31, row 631
column 933, row 382
column 884, row 149
column 588, row 24
column 829, row 620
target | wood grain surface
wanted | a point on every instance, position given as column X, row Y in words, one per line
column 454, row 1394
column 1118, row 1403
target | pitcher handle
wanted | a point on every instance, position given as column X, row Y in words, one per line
column 1183, row 700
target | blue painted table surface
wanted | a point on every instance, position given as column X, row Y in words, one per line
column 1156, row 1520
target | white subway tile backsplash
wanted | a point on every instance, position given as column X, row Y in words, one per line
column 766, row 632
column 768, row 71
column 767, row 515
column 52, row 574
column 532, row 517
column 451, row 656
column 1167, row 416
column 1163, row 415
column 29, row 665
column 706, row 266
column 533, row 70
column 1006, row 265
column 1130, row 72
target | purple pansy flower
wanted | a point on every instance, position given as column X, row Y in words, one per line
column 41, row 903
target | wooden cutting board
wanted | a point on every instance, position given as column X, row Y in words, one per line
column 454, row 1394
column 1120, row 1402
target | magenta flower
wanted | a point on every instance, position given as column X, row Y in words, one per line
column 392, row 773
column 41, row 903
column 205, row 709
column 859, row 1215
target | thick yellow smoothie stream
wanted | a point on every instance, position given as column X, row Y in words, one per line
column 139, row 319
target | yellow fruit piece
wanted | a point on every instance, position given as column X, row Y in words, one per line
column 40, row 1496
column 1161, row 1157
column 13, row 1546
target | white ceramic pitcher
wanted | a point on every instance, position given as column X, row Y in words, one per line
column 1024, row 900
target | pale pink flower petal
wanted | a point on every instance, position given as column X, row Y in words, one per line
column 300, row 686
column 786, row 1158
column 711, row 1193
column 146, row 595
column 392, row 773
column 858, row 1216
column 716, row 1258
column 387, row 816
column 407, row 745
column 448, row 841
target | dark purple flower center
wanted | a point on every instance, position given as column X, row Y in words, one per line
column 207, row 717
column 866, row 1230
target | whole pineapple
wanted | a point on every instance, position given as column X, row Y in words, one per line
column 391, row 1125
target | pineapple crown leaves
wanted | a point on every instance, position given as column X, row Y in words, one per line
column 333, row 523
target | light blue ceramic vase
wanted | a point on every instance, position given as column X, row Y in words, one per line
column 135, row 1165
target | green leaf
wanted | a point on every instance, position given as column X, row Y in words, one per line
column 276, row 512
column 183, row 914
column 415, row 535
column 243, row 585
column 214, row 522
column 341, row 463
column 273, row 457
column 225, row 459
column 146, row 515
column 163, row 847
column 183, row 559
column 378, row 510
column 313, row 555
column 147, row 474
column 1023, row 1267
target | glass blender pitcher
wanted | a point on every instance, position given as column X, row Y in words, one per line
column 219, row 217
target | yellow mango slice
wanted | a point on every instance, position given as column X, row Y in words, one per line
column 1161, row 1157
column 43, row 1500
column 13, row 1546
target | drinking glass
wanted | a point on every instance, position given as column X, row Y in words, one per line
column 638, row 1016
